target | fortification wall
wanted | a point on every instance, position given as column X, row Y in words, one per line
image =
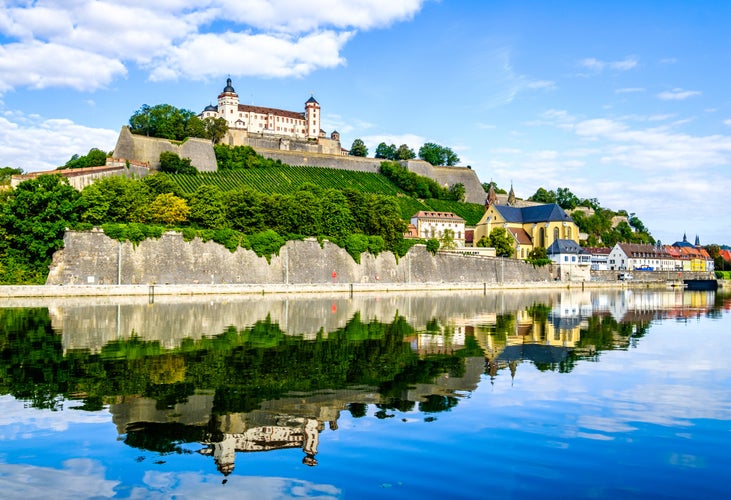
column 449, row 176
column 90, row 257
column 147, row 149
column 326, row 153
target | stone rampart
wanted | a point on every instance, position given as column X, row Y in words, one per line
column 147, row 149
column 92, row 258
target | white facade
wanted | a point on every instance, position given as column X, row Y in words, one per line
column 433, row 224
column 262, row 120
column 630, row 257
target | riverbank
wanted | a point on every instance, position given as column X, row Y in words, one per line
column 19, row 291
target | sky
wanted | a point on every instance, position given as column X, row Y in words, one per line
column 624, row 101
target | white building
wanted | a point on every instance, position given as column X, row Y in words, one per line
column 633, row 256
column 433, row 224
column 262, row 120
column 572, row 261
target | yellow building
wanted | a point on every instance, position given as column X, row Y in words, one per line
column 536, row 226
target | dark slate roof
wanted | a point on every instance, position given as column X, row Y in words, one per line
column 536, row 213
column 210, row 107
column 311, row 99
column 538, row 353
column 684, row 243
column 565, row 246
column 228, row 88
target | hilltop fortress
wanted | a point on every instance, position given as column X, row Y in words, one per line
column 293, row 137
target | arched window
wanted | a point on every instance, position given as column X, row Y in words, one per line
column 555, row 234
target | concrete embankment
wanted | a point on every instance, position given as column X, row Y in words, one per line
column 153, row 290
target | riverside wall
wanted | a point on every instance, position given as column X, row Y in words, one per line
column 91, row 258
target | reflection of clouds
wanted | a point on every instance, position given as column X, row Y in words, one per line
column 80, row 478
column 17, row 420
column 193, row 485
column 675, row 376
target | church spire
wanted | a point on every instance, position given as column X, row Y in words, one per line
column 511, row 195
column 491, row 196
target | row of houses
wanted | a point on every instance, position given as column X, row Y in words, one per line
column 548, row 226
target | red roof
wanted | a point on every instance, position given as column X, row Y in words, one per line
column 421, row 214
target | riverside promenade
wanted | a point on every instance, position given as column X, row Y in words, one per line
column 152, row 290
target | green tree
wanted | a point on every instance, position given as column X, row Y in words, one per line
column 566, row 199
column 6, row 173
column 169, row 209
column 115, row 199
column 447, row 240
column 336, row 217
column 171, row 163
column 501, row 242
column 244, row 209
column 432, row 245
column 438, row 155
column 33, row 220
column 94, row 158
column 167, row 122
column 216, row 128
column 404, row 152
column 207, row 208
column 385, row 152
column 458, row 192
column 543, row 196
column 358, row 148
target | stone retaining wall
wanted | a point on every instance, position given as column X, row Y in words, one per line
column 92, row 258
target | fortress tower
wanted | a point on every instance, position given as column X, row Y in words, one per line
column 312, row 117
column 228, row 104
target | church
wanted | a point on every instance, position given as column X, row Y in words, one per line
column 535, row 226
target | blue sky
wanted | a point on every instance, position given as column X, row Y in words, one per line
column 622, row 101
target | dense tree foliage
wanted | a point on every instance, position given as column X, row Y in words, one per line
column 240, row 157
column 438, row 155
column 358, row 148
column 598, row 223
column 94, row 158
column 33, row 219
column 419, row 186
column 501, row 242
column 171, row 163
column 6, row 173
column 391, row 152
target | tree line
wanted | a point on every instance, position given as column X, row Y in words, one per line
column 35, row 215
column 430, row 152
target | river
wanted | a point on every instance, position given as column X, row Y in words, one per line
column 513, row 394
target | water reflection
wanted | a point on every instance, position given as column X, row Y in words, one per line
column 258, row 374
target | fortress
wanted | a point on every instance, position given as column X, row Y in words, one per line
column 293, row 137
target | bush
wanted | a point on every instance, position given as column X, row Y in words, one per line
column 356, row 244
column 266, row 244
column 723, row 275
column 432, row 246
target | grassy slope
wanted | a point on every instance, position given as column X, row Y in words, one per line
column 286, row 180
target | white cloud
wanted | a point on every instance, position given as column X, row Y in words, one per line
column 252, row 55
column 677, row 94
column 85, row 44
column 38, row 144
column 79, row 477
column 629, row 90
column 598, row 65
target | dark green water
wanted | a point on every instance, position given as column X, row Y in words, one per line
column 551, row 395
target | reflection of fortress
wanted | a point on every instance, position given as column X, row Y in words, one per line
column 289, row 422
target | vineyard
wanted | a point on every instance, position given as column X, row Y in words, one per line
column 287, row 180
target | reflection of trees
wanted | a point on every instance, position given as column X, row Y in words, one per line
column 241, row 367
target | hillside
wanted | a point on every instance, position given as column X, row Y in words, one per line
column 286, row 179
